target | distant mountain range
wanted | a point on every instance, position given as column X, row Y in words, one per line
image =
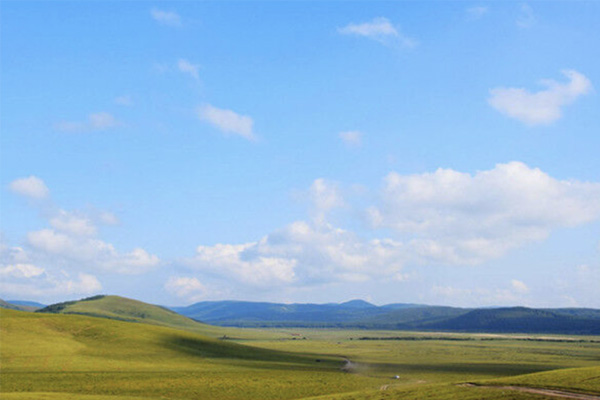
column 21, row 305
column 363, row 315
column 355, row 314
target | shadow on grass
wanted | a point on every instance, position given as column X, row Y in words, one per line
column 217, row 349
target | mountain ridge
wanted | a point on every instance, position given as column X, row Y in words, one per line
column 397, row 316
column 354, row 314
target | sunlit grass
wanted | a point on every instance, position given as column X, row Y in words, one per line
column 47, row 356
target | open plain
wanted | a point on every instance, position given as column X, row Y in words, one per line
column 56, row 356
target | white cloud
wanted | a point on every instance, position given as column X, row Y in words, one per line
column 20, row 270
column 90, row 252
column 108, row 218
column 188, row 288
column 227, row 121
column 519, row 286
column 445, row 217
column 84, row 284
column 168, row 18
column 31, row 186
column 302, row 254
column 526, row 18
column 231, row 261
column 76, row 224
column 124, row 100
column 542, row 107
column 381, row 30
column 187, row 67
column 72, row 242
column 351, row 138
column 324, row 196
column 20, row 276
column 456, row 217
column 515, row 294
column 477, row 12
column 96, row 122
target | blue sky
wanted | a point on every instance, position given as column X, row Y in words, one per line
column 430, row 152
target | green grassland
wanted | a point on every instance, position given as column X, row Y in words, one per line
column 74, row 356
column 96, row 356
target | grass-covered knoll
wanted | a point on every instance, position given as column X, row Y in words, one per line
column 124, row 309
column 97, row 356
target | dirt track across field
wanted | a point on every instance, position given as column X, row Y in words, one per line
column 546, row 392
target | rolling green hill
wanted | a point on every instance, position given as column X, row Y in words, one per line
column 69, row 356
column 124, row 309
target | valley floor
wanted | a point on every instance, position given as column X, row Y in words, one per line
column 46, row 356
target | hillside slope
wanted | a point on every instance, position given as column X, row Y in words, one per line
column 129, row 310
column 72, row 355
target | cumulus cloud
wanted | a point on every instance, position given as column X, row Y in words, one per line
column 168, row 18
column 83, row 284
column 445, row 218
column 20, row 276
column 381, row 30
column 99, row 121
column 227, row 121
column 302, row 254
column 72, row 223
column 90, row 252
column 71, row 240
column 20, row 270
column 186, row 287
column 324, row 196
column 31, row 186
column 188, row 68
column 464, row 218
column 542, row 107
column 513, row 294
column 351, row 138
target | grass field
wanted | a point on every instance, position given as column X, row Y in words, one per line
column 48, row 356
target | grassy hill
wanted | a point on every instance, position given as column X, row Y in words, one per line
column 70, row 356
column 129, row 310
column 10, row 306
column 123, row 309
column 79, row 355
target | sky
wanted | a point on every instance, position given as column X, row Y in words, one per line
column 396, row 152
